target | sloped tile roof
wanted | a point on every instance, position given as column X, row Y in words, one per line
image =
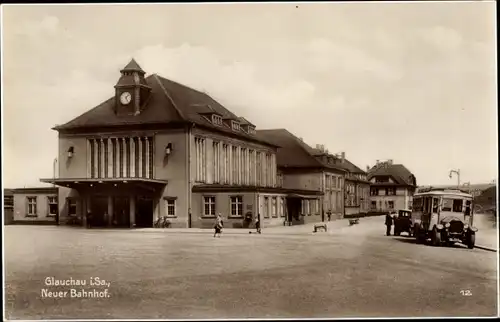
column 169, row 102
column 132, row 65
column 399, row 172
column 351, row 167
column 293, row 152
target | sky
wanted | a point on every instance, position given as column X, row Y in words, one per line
column 412, row 82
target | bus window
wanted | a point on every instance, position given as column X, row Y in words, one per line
column 447, row 205
column 457, row 205
column 435, row 205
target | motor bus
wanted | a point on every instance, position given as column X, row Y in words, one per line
column 444, row 216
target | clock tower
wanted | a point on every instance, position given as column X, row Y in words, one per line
column 131, row 91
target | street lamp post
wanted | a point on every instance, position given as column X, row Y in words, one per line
column 457, row 172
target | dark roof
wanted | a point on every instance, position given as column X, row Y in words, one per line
column 169, row 102
column 132, row 66
column 51, row 190
column 398, row 172
column 244, row 121
column 351, row 167
column 293, row 152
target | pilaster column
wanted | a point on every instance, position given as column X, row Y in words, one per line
column 117, row 155
column 96, row 158
column 139, row 158
column 110, row 158
column 146, row 142
column 89, row 158
column 132, row 157
column 125, row 153
column 103, row 159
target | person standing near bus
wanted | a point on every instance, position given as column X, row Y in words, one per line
column 388, row 223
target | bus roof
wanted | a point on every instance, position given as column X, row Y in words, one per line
column 444, row 192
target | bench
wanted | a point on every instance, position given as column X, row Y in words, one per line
column 353, row 221
column 317, row 227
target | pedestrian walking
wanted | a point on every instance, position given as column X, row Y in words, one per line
column 388, row 224
column 257, row 224
column 219, row 224
column 329, row 214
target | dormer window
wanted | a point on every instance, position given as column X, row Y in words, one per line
column 251, row 130
column 235, row 126
column 217, row 119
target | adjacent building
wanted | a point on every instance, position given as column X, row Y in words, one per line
column 32, row 205
column 356, row 188
column 157, row 148
column 302, row 167
column 392, row 187
column 8, row 206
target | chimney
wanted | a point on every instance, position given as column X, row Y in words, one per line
column 378, row 162
column 322, row 147
column 367, row 168
column 389, row 162
column 318, row 146
column 342, row 157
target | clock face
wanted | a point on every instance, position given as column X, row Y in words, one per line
column 125, row 98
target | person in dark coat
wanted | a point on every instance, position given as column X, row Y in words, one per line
column 388, row 223
column 257, row 224
column 329, row 214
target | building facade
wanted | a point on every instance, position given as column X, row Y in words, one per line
column 8, row 206
column 159, row 149
column 357, row 189
column 392, row 187
column 302, row 167
column 35, row 205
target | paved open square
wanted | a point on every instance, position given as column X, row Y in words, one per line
column 349, row 272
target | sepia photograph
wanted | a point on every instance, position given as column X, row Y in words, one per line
column 253, row 160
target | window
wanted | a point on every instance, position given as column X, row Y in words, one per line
column 447, row 205
column 373, row 191
column 259, row 168
column 328, row 182
column 227, row 165
column 170, row 207
column 391, row 191
column 274, row 212
column 217, row 119
column 265, row 210
column 390, row 204
column 237, row 206
column 235, row 126
column 31, row 205
column 52, row 206
column 374, row 205
column 216, row 162
column 435, row 205
column 200, row 160
column 209, row 206
column 334, row 182
column 381, row 179
column 418, row 204
column 234, row 164
column 71, row 207
column 457, row 205
column 251, row 130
